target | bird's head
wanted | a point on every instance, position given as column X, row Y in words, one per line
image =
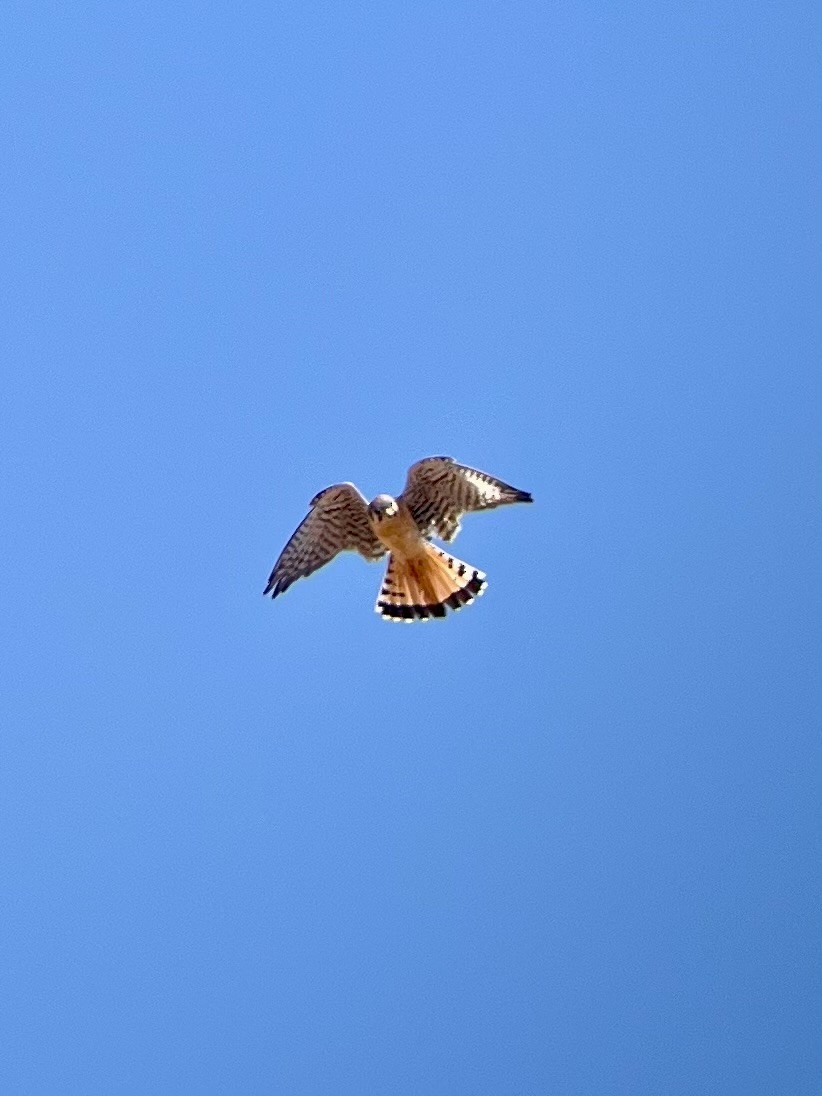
column 383, row 506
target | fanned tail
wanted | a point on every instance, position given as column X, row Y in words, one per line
column 427, row 586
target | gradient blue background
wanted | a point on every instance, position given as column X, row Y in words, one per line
column 565, row 842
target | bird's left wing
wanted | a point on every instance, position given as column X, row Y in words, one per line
column 337, row 522
column 439, row 491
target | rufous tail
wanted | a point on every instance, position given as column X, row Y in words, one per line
column 427, row 586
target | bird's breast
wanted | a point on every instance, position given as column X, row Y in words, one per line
column 399, row 532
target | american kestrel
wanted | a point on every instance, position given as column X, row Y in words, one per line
column 421, row 581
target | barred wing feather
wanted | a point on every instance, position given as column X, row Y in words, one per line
column 337, row 522
column 439, row 491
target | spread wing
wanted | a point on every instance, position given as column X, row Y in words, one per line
column 337, row 522
column 439, row 491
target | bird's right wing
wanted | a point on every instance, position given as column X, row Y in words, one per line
column 337, row 522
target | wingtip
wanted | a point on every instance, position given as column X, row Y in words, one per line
column 524, row 496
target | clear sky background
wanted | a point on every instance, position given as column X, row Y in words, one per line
column 565, row 842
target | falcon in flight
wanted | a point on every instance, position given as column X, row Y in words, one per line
column 421, row 580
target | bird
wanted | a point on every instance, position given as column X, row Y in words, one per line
column 422, row 581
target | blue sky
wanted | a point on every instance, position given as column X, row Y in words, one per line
column 564, row 842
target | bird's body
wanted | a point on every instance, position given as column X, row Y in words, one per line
column 421, row 581
column 394, row 527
